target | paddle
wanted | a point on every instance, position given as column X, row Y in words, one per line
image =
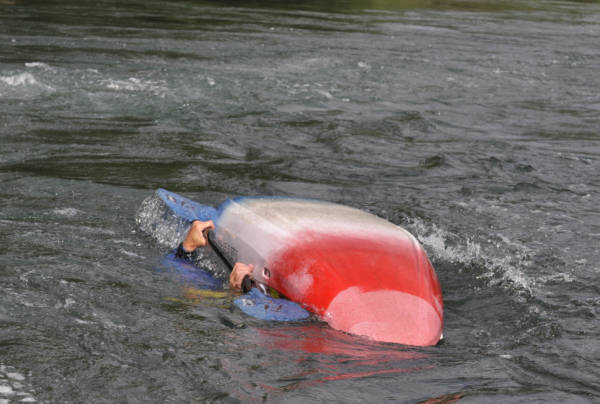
column 247, row 282
column 258, row 301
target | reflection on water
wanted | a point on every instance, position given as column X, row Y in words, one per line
column 319, row 354
column 340, row 356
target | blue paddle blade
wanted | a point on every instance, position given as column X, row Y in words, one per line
column 189, row 273
column 258, row 305
column 186, row 208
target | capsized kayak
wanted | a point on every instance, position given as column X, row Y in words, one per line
column 358, row 272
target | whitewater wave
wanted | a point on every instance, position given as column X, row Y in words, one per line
column 505, row 262
column 134, row 84
column 13, row 386
column 23, row 84
column 38, row 65
column 22, row 79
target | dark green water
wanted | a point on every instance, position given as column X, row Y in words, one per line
column 474, row 124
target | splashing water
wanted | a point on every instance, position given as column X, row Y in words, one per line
column 14, row 387
column 156, row 219
column 504, row 261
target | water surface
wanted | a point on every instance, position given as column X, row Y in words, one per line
column 473, row 124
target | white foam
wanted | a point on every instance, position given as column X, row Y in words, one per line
column 364, row 65
column 80, row 321
column 15, row 376
column 12, row 386
column 504, row 260
column 24, row 85
column 436, row 241
column 131, row 254
column 134, row 84
column 325, row 94
column 38, row 64
column 559, row 277
column 23, row 79
column 125, row 241
column 69, row 212
column 69, row 302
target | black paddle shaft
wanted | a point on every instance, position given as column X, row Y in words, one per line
column 247, row 282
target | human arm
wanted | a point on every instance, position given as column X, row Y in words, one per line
column 238, row 273
column 196, row 236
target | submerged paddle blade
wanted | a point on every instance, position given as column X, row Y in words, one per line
column 264, row 307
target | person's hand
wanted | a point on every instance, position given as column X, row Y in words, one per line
column 196, row 236
column 238, row 273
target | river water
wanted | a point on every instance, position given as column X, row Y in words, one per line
column 473, row 124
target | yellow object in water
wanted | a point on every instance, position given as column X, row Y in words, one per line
column 193, row 293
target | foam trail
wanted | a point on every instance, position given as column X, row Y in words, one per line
column 23, row 85
column 22, row 79
column 13, row 386
column 505, row 261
